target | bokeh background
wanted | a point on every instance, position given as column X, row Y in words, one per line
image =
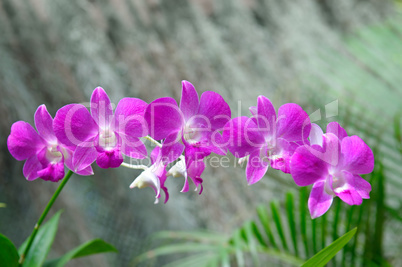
column 339, row 59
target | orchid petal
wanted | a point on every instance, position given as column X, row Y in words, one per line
column 306, row 168
column 129, row 117
column 109, row 159
column 362, row 186
column 132, row 147
column 213, row 109
column 293, row 123
column 242, row 136
column 44, row 124
column 257, row 166
column 23, row 141
column 155, row 154
column 253, row 110
column 357, row 155
column 194, row 171
column 101, row 108
column 53, row 172
column 73, row 124
column 163, row 117
column 319, row 201
column 346, row 191
column 266, row 116
column 336, row 129
column 31, row 168
column 316, row 134
column 189, row 100
column 83, row 157
column 172, row 148
column 68, row 161
column 281, row 154
column 147, row 178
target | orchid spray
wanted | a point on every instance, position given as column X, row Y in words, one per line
column 182, row 137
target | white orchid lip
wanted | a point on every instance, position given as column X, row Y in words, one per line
column 147, row 179
column 191, row 135
column 107, row 139
column 178, row 170
column 53, row 154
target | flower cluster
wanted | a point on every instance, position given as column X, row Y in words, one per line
column 185, row 135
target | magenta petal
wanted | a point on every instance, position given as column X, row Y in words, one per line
column 163, row 117
column 155, row 154
column 133, row 147
column 217, row 144
column 253, row 110
column 316, row 135
column 305, row 167
column 83, row 157
column 73, row 124
column 257, row 166
column 347, row 192
column 266, row 116
column 281, row 155
column 293, row 123
column 242, row 136
column 101, row 108
column 189, row 100
column 357, row 155
column 129, row 117
column 319, row 201
column 23, row 141
column 214, row 109
column 172, row 148
column 44, row 124
column 109, row 159
column 336, row 129
column 358, row 184
column 194, row 171
column 31, row 168
column 53, row 172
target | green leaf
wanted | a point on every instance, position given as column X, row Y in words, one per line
column 89, row 248
column 290, row 207
column 3, row 205
column 276, row 215
column 303, row 215
column 176, row 248
column 264, row 219
column 238, row 245
column 42, row 243
column 326, row 254
column 8, row 252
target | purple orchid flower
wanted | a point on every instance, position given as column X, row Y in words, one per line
column 192, row 128
column 102, row 135
column 267, row 139
column 45, row 156
column 192, row 169
column 155, row 176
column 333, row 164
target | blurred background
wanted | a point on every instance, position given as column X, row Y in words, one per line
column 339, row 59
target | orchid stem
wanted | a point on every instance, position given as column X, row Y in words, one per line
column 135, row 167
column 43, row 216
column 153, row 141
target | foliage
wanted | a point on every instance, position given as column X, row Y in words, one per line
column 284, row 233
column 41, row 247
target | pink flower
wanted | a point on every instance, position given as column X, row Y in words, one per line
column 192, row 128
column 266, row 138
column 102, row 135
column 45, row 156
column 154, row 176
column 333, row 164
